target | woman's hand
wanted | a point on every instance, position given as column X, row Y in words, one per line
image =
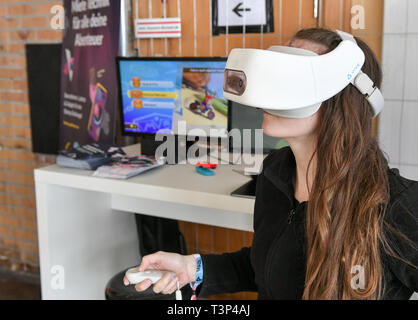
column 183, row 269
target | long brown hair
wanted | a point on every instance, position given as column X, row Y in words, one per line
column 350, row 191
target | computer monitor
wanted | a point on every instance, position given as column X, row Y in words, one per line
column 243, row 117
column 157, row 93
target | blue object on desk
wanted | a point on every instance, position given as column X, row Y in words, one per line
column 205, row 172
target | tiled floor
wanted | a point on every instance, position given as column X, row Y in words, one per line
column 14, row 288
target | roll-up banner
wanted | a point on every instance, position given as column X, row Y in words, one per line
column 88, row 79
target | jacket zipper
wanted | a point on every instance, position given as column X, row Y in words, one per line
column 290, row 216
column 270, row 254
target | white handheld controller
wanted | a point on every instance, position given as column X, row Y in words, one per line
column 134, row 276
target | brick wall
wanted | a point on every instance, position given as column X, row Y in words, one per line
column 21, row 22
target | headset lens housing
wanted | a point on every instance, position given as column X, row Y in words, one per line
column 235, row 82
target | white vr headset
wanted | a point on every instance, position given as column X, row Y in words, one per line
column 292, row 82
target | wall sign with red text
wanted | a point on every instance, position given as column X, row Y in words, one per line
column 158, row 28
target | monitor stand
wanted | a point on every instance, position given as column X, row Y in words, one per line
column 149, row 146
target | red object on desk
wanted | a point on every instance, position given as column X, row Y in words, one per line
column 207, row 165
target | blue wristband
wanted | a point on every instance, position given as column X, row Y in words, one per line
column 199, row 272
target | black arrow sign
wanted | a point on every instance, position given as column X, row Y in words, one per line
column 238, row 8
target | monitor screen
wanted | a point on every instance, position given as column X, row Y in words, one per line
column 165, row 95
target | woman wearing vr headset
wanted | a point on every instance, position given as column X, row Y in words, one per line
column 331, row 219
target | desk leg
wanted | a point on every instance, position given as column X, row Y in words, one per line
column 82, row 242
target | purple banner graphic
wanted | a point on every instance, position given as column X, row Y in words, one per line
column 88, row 79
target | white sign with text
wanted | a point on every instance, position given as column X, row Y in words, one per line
column 158, row 28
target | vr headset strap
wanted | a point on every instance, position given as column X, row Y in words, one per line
column 364, row 84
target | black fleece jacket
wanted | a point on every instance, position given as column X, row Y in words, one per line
column 275, row 264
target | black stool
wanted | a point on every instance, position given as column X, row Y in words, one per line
column 116, row 290
column 154, row 234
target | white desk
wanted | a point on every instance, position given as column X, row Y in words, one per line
column 86, row 236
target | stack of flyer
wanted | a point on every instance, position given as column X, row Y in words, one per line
column 128, row 166
column 89, row 156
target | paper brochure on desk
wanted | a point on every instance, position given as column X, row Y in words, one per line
column 128, row 166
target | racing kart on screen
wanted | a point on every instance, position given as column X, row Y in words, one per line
column 202, row 107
